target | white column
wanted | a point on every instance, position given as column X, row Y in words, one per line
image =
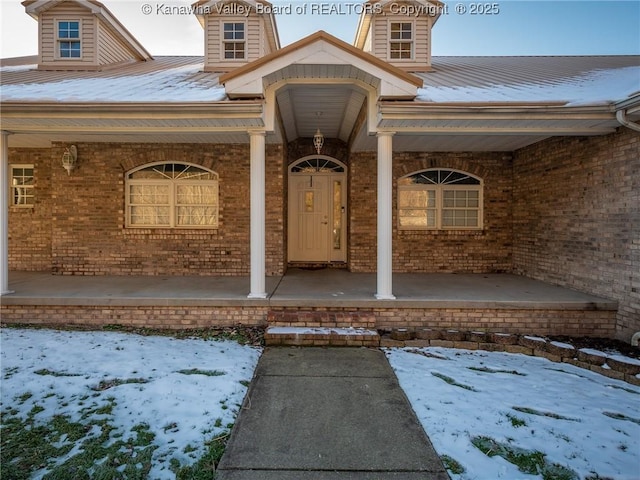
column 257, row 207
column 385, row 218
column 4, row 213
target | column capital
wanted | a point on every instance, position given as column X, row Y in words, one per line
column 384, row 133
column 256, row 132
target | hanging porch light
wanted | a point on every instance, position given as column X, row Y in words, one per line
column 318, row 138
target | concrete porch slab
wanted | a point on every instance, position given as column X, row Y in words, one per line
column 301, row 288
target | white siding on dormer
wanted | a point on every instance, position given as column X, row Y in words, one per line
column 256, row 45
column 49, row 50
column 111, row 50
column 379, row 37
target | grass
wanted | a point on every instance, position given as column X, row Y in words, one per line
column 533, row 411
column 72, row 449
column 197, row 371
column 491, row 370
column 620, row 416
column 90, row 445
column 531, row 462
column 452, row 465
column 452, row 381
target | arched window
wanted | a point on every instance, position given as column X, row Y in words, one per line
column 317, row 164
column 171, row 195
column 439, row 199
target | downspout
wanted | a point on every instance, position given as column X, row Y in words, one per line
column 621, row 116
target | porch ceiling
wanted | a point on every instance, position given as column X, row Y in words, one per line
column 333, row 109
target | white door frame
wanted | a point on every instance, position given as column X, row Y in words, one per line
column 334, row 171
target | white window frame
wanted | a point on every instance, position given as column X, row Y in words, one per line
column 410, row 41
column 439, row 189
column 59, row 39
column 234, row 41
column 21, row 190
column 173, row 204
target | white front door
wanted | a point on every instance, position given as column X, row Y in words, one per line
column 317, row 209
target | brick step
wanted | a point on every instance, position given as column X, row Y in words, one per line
column 321, row 336
column 294, row 317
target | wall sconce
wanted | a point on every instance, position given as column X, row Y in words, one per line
column 70, row 158
column 318, row 138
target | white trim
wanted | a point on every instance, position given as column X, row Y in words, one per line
column 57, row 39
column 385, row 216
column 439, row 207
column 411, row 41
column 4, row 213
column 257, row 142
column 245, row 42
column 12, row 188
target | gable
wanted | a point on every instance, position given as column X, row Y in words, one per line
column 323, row 57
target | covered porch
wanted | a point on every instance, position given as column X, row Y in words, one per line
column 313, row 298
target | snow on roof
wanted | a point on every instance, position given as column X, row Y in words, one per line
column 574, row 80
column 183, row 83
column 598, row 86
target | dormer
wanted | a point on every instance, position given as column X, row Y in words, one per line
column 236, row 32
column 399, row 31
column 81, row 35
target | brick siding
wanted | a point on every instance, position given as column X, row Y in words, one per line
column 83, row 216
column 577, row 218
column 460, row 251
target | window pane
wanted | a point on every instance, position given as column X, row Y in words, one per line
column 417, row 218
column 196, row 195
column 149, row 215
column 22, row 186
column 417, row 198
column 70, row 49
column 196, row 216
column 149, row 194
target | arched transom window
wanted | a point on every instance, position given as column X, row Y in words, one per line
column 172, row 195
column 439, row 199
column 317, row 165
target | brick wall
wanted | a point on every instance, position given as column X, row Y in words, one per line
column 577, row 217
column 85, row 217
column 30, row 228
column 488, row 250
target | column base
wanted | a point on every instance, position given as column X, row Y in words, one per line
column 257, row 295
column 380, row 296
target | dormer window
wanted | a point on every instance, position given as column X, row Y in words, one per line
column 401, row 41
column 69, row 39
column 234, row 40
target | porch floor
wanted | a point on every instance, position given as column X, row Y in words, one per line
column 301, row 288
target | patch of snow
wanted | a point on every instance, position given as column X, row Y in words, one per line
column 452, row 416
column 562, row 345
column 623, row 359
column 191, row 402
column 17, row 68
column 171, row 85
column 591, row 351
column 596, row 87
column 535, row 339
column 319, row 331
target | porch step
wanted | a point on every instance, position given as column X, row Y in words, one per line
column 321, row 318
column 322, row 336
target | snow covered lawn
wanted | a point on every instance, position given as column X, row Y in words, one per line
column 120, row 405
column 499, row 415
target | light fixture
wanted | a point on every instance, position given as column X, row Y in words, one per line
column 318, row 138
column 70, row 158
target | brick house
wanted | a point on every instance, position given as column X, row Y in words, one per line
column 374, row 157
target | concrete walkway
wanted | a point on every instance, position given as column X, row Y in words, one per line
column 326, row 414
